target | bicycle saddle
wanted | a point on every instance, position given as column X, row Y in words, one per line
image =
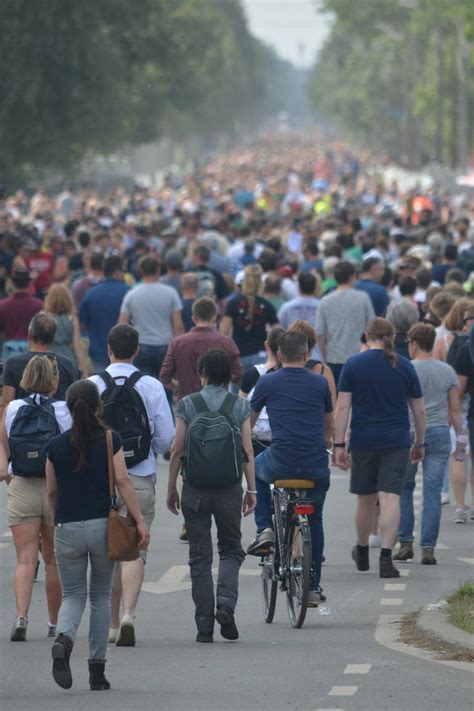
column 294, row 484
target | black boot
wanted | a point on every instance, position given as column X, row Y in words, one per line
column 61, row 651
column 97, row 680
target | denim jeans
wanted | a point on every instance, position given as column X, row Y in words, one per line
column 199, row 506
column 266, row 474
column 76, row 544
column 438, row 448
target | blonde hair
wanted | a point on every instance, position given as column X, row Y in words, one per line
column 251, row 286
column 379, row 329
column 39, row 375
column 454, row 321
column 59, row 301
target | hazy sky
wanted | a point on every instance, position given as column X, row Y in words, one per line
column 292, row 27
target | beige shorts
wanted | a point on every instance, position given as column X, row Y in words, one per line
column 145, row 491
column 28, row 501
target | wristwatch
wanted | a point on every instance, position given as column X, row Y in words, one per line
column 339, row 444
column 418, row 446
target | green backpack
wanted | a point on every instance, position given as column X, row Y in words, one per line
column 214, row 455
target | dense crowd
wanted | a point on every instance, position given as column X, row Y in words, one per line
column 246, row 278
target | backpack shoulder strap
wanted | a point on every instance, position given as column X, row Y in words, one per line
column 228, row 404
column 133, row 379
column 107, row 378
column 199, row 403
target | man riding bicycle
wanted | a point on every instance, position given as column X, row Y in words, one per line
column 299, row 408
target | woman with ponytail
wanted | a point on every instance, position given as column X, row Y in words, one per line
column 247, row 318
column 379, row 387
column 78, row 490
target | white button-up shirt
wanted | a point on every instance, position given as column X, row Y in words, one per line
column 160, row 419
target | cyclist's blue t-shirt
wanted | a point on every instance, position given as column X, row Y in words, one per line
column 296, row 401
column 380, row 397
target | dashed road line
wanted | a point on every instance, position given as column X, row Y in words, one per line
column 393, row 587
column 470, row 561
column 357, row 668
column 343, row 691
column 442, row 547
column 5, row 545
column 404, row 572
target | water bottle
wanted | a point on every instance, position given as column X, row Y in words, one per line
column 461, row 445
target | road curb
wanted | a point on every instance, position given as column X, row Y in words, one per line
column 435, row 624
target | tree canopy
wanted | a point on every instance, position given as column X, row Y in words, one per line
column 93, row 75
column 394, row 75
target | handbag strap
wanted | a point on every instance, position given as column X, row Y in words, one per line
column 110, row 464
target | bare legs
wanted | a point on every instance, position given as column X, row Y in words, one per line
column 389, row 505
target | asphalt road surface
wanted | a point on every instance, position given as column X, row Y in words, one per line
column 348, row 658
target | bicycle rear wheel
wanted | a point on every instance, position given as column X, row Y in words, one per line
column 298, row 573
column 269, row 588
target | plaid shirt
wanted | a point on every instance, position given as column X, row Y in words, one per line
column 181, row 360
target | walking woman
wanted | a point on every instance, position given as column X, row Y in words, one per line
column 29, row 515
column 67, row 341
column 78, row 490
column 247, row 317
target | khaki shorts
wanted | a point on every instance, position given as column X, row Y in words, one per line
column 145, row 491
column 28, row 501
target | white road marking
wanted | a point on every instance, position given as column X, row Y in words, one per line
column 442, row 547
column 171, row 581
column 404, row 572
column 470, row 561
column 5, row 545
column 394, row 586
column 7, row 534
column 343, row 691
column 330, row 709
column 357, row 668
column 387, row 634
column 391, row 601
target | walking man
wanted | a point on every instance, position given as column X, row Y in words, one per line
column 123, row 348
column 379, row 386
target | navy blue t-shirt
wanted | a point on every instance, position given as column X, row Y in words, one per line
column 378, row 295
column 99, row 312
column 81, row 494
column 296, row 401
column 380, row 396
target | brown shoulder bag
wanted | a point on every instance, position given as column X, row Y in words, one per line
column 122, row 534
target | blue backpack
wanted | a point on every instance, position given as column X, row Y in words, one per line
column 34, row 426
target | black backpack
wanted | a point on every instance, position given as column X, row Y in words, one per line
column 214, row 455
column 125, row 412
column 33, row 427
column 457, row 343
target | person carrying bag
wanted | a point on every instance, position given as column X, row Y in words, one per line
column 81, row 491
column 213, row 447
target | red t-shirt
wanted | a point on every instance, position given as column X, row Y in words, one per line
column 16, row 314
column 42, row 263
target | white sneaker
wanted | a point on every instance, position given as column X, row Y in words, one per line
column 126, row 633
column 113, row 634
column 444, row 498
column 461, row 516
column 374, row 540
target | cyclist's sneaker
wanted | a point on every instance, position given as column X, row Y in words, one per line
column 18, row 633
column 387, row 568
column 262, row 541
column 374, row 540
column 461, row 516
column 427, row 556
column 316, row 596
column 360, row 556
column 204, row 637
column 225, row 617
column 405, row 552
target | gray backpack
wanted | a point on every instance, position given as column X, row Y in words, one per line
column 214, row 454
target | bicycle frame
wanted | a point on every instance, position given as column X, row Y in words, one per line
column 284, row 501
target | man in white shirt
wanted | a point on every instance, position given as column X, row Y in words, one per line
column 128, row 578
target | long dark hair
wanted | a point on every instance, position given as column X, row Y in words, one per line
column 84, row 404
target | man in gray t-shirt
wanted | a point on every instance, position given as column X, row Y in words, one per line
column 341, row 319
column 155, row 311
column 439, row 384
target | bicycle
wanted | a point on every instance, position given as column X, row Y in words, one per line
column 288, row 562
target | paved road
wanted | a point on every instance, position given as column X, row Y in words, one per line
column 272, row 666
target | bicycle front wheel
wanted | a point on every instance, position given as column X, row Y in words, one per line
column 298, row 573
column 269, row 588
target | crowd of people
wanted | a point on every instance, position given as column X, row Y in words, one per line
column 278, row 307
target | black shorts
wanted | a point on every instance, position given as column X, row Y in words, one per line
column 377, row 470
